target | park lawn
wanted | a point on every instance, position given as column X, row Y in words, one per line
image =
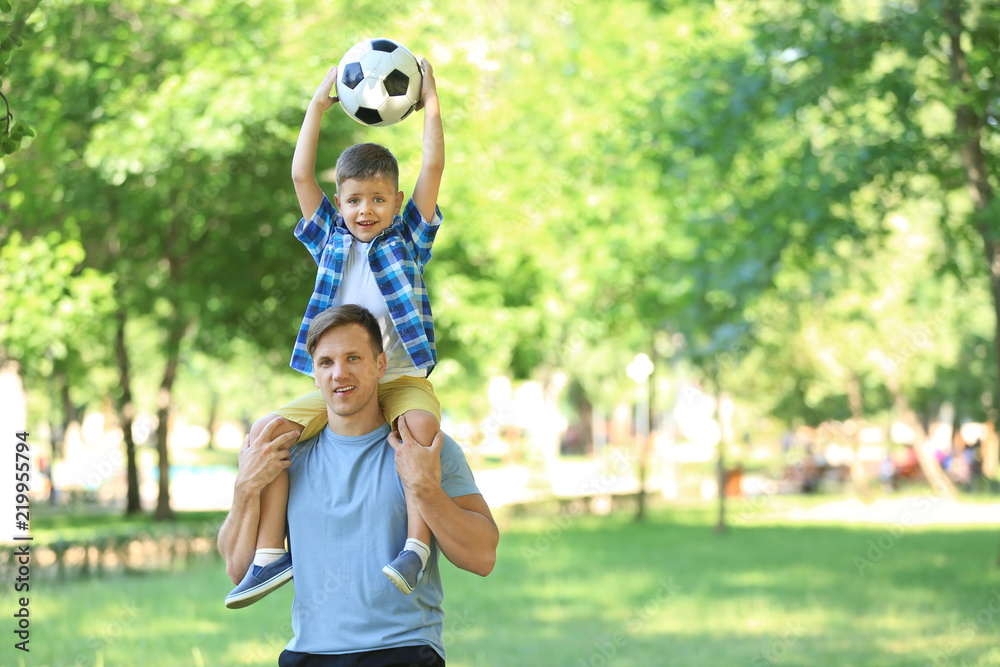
column 600, row 592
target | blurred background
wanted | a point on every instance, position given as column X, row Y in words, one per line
column 706, row 268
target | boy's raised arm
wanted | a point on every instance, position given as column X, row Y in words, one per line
column 307, row 188
column 425, row 192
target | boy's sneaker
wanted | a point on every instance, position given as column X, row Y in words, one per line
column 259, row 581
column 404, row 571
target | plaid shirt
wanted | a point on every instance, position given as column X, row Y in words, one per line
column 397, row 257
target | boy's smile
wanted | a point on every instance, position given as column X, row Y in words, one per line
column 368, row 206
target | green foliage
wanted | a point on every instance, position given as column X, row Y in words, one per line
column 830, row 121
column 722, row 176
column 49, row 305
column 13, row 32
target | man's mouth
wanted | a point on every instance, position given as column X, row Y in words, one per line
column 343, row 390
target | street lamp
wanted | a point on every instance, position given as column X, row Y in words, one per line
column 639, row 370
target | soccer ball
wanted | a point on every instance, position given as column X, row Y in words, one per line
column 378, row 82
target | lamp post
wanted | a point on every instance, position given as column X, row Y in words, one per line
column 639, row 370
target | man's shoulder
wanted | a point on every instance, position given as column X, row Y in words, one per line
column 451, row 445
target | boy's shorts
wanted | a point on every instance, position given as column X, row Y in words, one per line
column 396, row 397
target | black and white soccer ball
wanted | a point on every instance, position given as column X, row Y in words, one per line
column 378, row 82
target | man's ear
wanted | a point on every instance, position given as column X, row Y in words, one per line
column 380, row 362
column 399, row 202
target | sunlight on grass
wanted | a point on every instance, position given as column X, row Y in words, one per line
column 604, row 591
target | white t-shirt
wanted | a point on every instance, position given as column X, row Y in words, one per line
column 358, row 286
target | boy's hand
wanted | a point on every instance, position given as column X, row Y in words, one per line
column 323, row 99
column 428, row 87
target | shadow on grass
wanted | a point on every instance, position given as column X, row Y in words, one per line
column 671, row 592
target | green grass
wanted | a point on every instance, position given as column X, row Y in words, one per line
column 600, row 592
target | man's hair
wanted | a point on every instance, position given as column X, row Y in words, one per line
column 339, row 316
column 364, row 162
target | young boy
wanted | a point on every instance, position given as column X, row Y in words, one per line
column 371, row 255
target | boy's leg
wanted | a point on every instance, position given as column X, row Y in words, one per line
column 405, row 570
column 274, row 496
column 272, row 565
column 423, row 426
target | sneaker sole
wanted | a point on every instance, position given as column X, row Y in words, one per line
column 251, row 595
column 397, row 579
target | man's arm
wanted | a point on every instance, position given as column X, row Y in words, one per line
column 425, row 192
column 463, row 526
column 261, row 460
column 307, row 188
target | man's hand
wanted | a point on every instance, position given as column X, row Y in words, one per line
column 261, row 459
column 417, row 466
column 323, row 97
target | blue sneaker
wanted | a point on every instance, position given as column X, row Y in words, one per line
column 404, row 571
column 259, row 581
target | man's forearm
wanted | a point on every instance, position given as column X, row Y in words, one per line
column 238, row 535
column 463, row 527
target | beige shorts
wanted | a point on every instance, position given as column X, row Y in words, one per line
column 396, row 397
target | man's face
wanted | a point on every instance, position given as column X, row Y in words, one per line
column 368, row 206
column 347, row 371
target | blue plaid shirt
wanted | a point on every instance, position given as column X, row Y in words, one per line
column 397, row 257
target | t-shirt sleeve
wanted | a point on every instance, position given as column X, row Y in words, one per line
column 456, row 475
column 315, row 232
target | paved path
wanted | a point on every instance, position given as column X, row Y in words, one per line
column 927, row 510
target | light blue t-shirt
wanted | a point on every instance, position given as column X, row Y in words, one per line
column 346, row 520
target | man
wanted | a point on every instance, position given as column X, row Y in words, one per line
column 347, row 511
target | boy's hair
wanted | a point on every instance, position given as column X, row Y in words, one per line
column 339, row 316
column 364, row 162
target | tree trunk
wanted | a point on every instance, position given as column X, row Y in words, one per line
column 163, row 405
column 645, row 447
column 213, row 419
column 126, row 415
column 585, row 410
column 859, row 479
column 968, row 130
column 71, row 414
column 929, row 465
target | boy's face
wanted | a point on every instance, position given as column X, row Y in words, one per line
column 368, row 206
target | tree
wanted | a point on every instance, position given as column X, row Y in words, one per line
column 827, row 109
column 12, row 36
